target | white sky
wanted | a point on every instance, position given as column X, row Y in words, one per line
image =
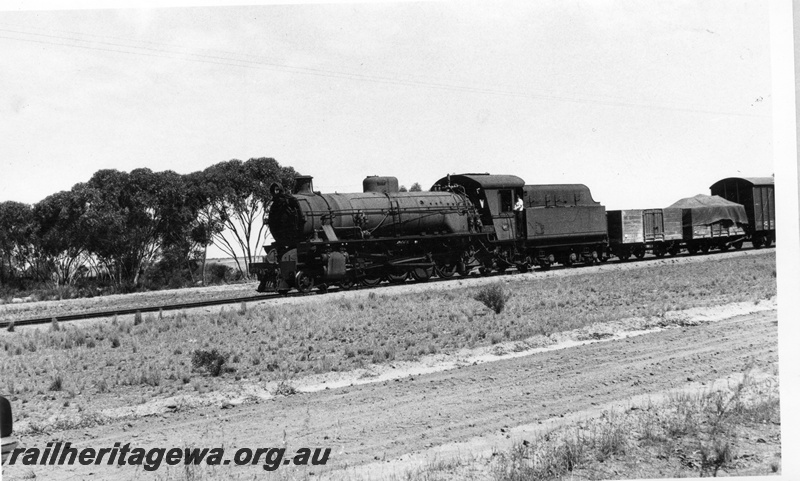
column 645, row 102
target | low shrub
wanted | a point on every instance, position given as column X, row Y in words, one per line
column 57, row 384
column 285, row 389
column 212, row 361
column 494, row 297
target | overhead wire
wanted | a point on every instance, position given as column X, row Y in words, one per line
column 271, row 61
column 255, row 62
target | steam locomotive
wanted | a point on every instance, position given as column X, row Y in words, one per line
column 490, row 223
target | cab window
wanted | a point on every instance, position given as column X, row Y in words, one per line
column 506, row 201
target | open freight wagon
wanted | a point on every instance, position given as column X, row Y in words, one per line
column 638, row 231
column 711, row 222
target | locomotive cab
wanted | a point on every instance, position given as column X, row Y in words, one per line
column 499, row 199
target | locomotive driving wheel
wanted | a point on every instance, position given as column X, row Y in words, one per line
column 397, row 278
column 370, row 281
column 421, row 274
column 446, row 271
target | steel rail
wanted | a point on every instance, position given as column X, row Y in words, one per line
column 134, row 310
column 263, row 297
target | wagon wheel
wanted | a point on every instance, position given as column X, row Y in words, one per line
column 767, row 241
column 757, row 242
column 660, row 251
column 724, row 246
column 346, row 283
column 446, row 271
column 421, row 274
column 303, row 281
column 485, row 271
column 738, row 244
column 674, row 250
column 692, row 250
column 322, row 288
column 397, row 278
column 527, row 265
column 639, row 253
column 705, row 248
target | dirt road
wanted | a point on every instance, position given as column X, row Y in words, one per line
column 380, row 423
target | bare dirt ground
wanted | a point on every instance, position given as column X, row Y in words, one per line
column 382, row 429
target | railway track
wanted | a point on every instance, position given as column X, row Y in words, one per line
column 237, row 300
column 134, row 310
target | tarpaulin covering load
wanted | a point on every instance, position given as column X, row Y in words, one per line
column 708, row 209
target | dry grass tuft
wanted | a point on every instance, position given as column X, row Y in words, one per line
column 688, row 434
column 285, row 389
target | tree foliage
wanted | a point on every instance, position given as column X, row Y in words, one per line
column 15, row 239
column 61, row 241
column 235, row 194
column 141, row 222
column 129, row 217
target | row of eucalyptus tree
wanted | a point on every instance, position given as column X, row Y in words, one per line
column 126, row 224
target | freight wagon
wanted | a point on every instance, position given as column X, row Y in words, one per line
column 757, row 195
column 638, row 231
column 711, row 222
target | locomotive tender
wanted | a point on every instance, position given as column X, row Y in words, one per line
column 468, row 221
